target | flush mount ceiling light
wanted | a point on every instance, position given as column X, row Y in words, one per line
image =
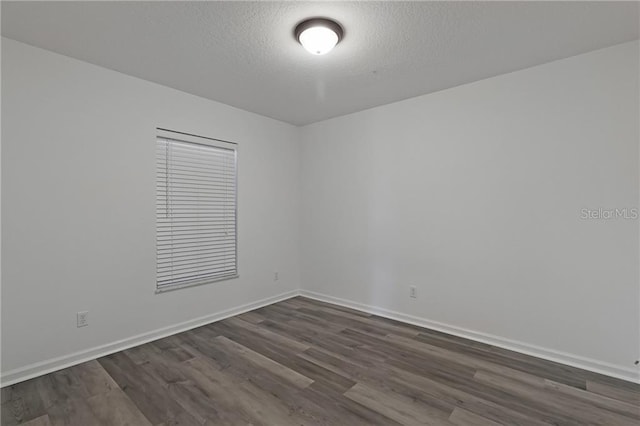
column 318, row 35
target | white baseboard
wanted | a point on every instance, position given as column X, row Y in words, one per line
column 617, row 371
column 48, row 366
column 37, row 369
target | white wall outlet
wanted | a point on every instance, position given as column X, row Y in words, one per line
column 275, row 276
column 82, row 319
column 413, row 293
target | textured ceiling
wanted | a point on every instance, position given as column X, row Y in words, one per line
column 244, row 53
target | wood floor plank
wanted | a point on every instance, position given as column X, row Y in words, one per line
column 281, row 340
column 322, row 316
column 39, row 421
column 293, row 303
column 306, row 362
column 263, row 362
column 126, row 413
column 345, row 411
column 408, row 356
column 23, row 402
column 463, row 417
column 283, row 355
column 559, row 405
column 497, row 394
column 475, row 363
column 13, row 413
column 294, row 398
column 149, row 394
column 71, row 412
column 302, row 319
column 313, row 303
column 164, row 369
column 285, row 358
column 7, row 393
column 397, row 407
column 200, row 405
column 614, row 382
column 315, row 337
column 631, row 410
column 358, row 322
column 95, row 379
column 251, row 317
column 61, row 386
column 481, row 351
column 612, row 392
column 381, row 378
column 141, row 354
column 452, row 395
column 235, row 400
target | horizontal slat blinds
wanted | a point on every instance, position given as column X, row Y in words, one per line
column 195, row 212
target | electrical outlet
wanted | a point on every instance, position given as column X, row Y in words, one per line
column 82, row 319
column 275, row 276
column 413, row 293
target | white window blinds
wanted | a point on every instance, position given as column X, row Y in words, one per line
column 195, row 210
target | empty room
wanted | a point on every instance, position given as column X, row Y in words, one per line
column 320, row 213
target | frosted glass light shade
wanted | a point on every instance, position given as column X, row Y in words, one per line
column 318, row 40
column 318, row 35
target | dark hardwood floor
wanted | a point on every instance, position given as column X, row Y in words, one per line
column 303, row 362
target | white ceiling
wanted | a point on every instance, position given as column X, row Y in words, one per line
column 244, row 53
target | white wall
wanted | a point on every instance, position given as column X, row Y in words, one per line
column 78, row 208
column 474, row 195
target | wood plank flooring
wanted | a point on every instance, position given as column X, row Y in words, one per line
column 303, row 362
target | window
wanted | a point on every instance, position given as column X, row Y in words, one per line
column 196, row 210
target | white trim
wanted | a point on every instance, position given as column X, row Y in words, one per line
column 44, row 367
column 600, row 367
column 187, row 137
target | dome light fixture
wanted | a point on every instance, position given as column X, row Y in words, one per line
column 319, row 35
